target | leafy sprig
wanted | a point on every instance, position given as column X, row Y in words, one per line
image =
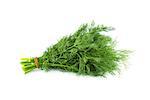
column 86, row 52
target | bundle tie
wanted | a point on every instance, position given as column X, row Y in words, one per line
column 36, row 62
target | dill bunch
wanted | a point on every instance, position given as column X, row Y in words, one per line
column 86, row 52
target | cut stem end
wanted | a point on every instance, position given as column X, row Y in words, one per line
column 27, row 64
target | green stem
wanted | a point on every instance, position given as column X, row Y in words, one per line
column 27, row 64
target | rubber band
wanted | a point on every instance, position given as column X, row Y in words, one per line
column 36, row 62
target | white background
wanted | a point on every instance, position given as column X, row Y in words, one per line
column 28, row 27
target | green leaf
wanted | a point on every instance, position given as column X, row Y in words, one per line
column 86, row 52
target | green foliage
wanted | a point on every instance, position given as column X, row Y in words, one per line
column 86, row 52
